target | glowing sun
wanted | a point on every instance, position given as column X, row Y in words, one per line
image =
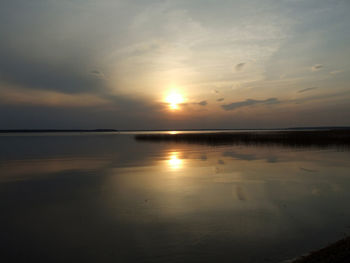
column 174, row 99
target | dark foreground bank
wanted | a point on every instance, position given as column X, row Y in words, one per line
column 320, row 138
column 338, row 252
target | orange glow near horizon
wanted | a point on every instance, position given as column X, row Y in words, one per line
column 173, row 100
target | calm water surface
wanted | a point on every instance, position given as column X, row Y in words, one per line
column 109, row 198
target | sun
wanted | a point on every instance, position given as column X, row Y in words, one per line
column 173, row 100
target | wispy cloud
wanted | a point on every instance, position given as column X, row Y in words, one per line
column 249, row 102
column 98, row 74
column 220, row 99
column 203, row 103
column 239, row 66
column 307, row 89
column 308, row 170
column 316, row 67
column 335, row 72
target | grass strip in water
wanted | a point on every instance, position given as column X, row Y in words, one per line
column 322, row 138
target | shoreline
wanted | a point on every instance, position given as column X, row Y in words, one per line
column 338, row 252
column 319, row 128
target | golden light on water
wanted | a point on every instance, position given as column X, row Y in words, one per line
column 174, row 161
column 174, row 99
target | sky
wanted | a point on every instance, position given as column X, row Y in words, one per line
column 177, row 64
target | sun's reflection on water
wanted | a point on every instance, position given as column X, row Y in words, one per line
column 174, row 161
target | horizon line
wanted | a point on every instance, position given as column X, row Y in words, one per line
column 136, row 130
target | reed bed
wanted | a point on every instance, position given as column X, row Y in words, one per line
column 319, row 138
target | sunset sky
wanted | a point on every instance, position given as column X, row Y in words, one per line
column 86, row 64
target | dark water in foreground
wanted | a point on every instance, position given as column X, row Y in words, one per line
column 109, row 198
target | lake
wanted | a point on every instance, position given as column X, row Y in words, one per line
column 105, row 197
